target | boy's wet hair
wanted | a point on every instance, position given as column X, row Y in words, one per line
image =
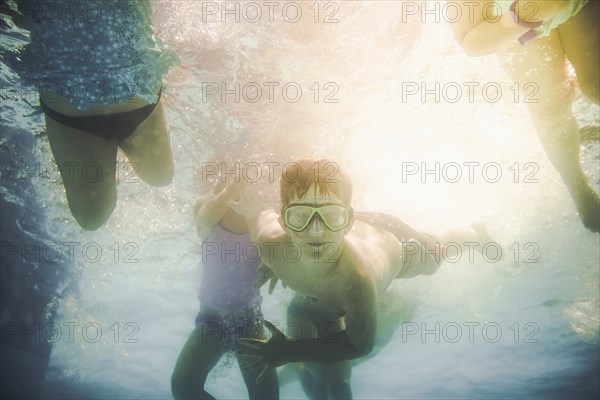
column 327, row 176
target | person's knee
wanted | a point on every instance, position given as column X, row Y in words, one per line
column 90, row 222
column 92, row 211
column 552, row 104
column 589, row 86
column 158, row 176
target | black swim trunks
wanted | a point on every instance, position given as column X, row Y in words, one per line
column 229, row 326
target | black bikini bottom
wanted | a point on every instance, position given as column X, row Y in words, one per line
column 114, row 127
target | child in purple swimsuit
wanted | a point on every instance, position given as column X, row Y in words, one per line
column 229, row 301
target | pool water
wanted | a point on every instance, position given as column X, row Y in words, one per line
column 125, row 296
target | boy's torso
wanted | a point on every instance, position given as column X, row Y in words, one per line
column 368, row 251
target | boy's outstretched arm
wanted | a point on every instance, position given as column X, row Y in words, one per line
column 355, row 341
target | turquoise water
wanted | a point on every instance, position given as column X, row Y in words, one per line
column 525, row 326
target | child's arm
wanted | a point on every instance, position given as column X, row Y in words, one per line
column 266, row 231
column 356, row 340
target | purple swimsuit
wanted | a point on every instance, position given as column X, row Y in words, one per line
column 230, row 302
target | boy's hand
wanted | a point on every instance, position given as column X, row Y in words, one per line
column 263, row 354
column 263, row 274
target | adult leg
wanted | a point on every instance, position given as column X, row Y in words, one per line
column 542, row 62
column 148, row 148
column 199, row 355
column 580, row 38
column 87, row 166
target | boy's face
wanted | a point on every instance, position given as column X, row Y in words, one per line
column 316, row 222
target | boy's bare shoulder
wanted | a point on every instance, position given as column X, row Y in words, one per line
column 370, row 245
column 369, row 234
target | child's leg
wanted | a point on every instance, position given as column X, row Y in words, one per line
column 268, row 387
column 198, row 357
